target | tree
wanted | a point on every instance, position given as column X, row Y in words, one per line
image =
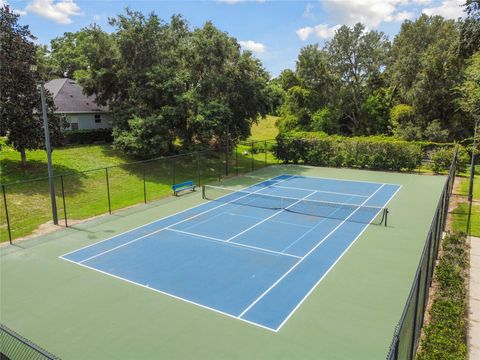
column 470, row 88
column 356, row 57
column 470, row 29
column 20, row 106
column 287, row 79
column 183, row 84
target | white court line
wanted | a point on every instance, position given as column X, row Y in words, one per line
column 271, row 216
column 306, row 255
column 331, row 267
column 320, row 191
column 233, row 243
column 167, row 227
column 356, row 181
column 172, row 296
column 169, row 216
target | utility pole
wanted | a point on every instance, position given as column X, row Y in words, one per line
column 49, row 153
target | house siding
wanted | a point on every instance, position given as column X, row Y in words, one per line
column 87, row 121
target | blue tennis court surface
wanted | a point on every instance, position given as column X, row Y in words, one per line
column 253, row 254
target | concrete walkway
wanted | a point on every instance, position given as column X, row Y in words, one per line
column 474, row 299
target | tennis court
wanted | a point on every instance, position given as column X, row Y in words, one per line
column 253, row 254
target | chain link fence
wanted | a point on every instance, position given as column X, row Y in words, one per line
column 26, row 206
column 14, row 346
column 407, row 333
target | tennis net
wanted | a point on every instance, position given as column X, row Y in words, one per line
column 324, row 209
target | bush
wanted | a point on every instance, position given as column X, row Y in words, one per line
column 442, row 158
column 445, row 335
column 319, row 149
column 88, row 136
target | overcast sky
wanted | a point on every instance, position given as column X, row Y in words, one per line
column 273, row 30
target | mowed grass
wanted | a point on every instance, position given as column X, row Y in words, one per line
column 460, row 214
column 265, row 129
column 84, row 174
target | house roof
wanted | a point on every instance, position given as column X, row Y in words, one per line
column 68, row 97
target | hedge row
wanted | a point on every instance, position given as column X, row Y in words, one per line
column 372, row 152
column 88, row 136
column 445, row 334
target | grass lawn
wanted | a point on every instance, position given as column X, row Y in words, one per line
column 265, row 129
column 460, row 214
column 86, row 192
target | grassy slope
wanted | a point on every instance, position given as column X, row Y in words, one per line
column 461, row 212
column 86, row 193
column 265, row 129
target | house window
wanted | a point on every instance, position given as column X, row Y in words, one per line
column 98, row 119
column 74, row 126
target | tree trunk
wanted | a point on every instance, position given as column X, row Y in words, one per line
column 23, row 155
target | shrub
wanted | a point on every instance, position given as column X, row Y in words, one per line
column 88, row 136
column 446, row 332
column 319, row 149
column 442, row 158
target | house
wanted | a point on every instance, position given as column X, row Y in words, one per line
column 79, row 110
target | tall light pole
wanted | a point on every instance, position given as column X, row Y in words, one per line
column 48, row 149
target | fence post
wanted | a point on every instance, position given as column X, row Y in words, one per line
column 108, row 192
column 414, row 333
column 236, row 160
column 265, row 151
column 6, row 214
column 173, row 171
column 420, row 159
column 198, row 169
column 64, row 203
column 144, row 186
column 253, row 166
column 356, row 153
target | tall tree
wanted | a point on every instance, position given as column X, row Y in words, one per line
column 357, row 57
column 470, row 39
column 20, row 108
column 180, row 84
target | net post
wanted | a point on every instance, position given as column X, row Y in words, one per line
column 6, row 214
column 203, row 192
column 108, row 192
column 386, row 216
column 173, row 171
column 64, row 202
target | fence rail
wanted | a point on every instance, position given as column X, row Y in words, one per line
column 25, row 205
column 14, row 346
column 407, row 333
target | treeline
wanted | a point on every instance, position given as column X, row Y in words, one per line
column 165, row 83
column 424, row 85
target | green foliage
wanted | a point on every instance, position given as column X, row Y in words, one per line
column 145, row 138
column 185, row 84
column 401, row 114
column 434, row 132
column 470, row 29
column 470, row 88
column 325, row 120
column 319, row 149
column 442, row 158
column 375, row 112
column 445, row 334
column 90, row 136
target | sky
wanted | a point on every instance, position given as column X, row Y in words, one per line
column 274, row 30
